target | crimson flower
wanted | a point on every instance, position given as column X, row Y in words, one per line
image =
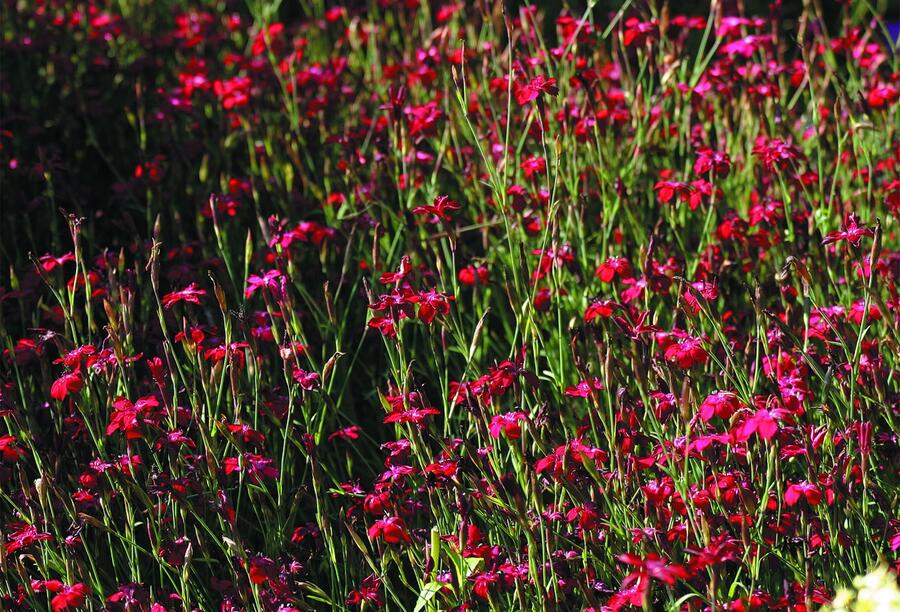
column 308, row 381
column 389, row 278
column 8, row 449
column 257, row 467
column 128, row 416
column 851, row 231
column 507, row 423
column 384, row 325
column 391, row 529
column 600, row 308
column 67, row 597
column 431, row 303
column 414, row 415
column 246, row 434
column 470, row 275
column 687, row 353
column 574, row 452
column 191, row 294
column 173, row 440
column 262, row 569
column 347, row 433
column 639, row 31
column 764, row 422
column 534, row 88
column 709, row 160
column 722, row 404
column 721, row 548
column 612, row 267
column 368, row 591
column 776, row 154
column 802, row 490
column 533, row 165
column 50, row 262
column 584, row 388
column 653, row 566
column 70, row 382
column 439, row 209
column 24, row 535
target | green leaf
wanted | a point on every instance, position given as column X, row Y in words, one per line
column 427, row 594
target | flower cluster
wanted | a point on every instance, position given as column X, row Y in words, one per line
column 445, row 305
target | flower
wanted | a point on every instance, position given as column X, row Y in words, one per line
column 24, row 535
column 584, row 388
column 271, row 280
column 391, row 529
column 431, row 303
column 709, row 161
column 851, row 231
column 722, row 404
column 190, row 294
column 802, row 490
column 776, row 154
column 257, row 467
column 600, row 308
column 8, row 449
column 763, row 422
column 612, row 267
column 507, row 423
column 439, row 209
column 686, row 353
column 534, row 88
column 68, row 383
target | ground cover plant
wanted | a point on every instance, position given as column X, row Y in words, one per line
column 447, row 305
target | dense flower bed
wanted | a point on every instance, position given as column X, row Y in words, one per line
column 434, row 305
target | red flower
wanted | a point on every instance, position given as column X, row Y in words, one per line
column 190, row 294
column 639, row 31
column 262, row 569
column 8, row 449
column 50, row 262
column 687, row 353
column 764, row 422
column 471, row 275
column 722, row 404
column 414, row 415
column 128, row 417
column 667, row 190
column 391, row 529
column 600, row 308
column 308, row 381
column 636, row 585
column 431, row 303
column 389, row 278
column 368, row 591
column 68, row 597
column 508, row 424
column 256, row 466
column 533, row 165
column 613, row 266
column 347, row 433
column 66, row 384
column 534, row 88
column 851, row 231
column 584, row 388
column 801, row 490
column 709, row 160
column 438, row 209
column 776, row 154
column 24, row 535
